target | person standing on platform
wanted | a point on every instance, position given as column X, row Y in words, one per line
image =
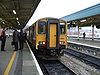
column 15, row 39
column 3, row 36
column 84, row 35
column 21, row 39
column 25, row 35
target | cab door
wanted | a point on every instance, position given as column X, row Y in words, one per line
column 53, row 35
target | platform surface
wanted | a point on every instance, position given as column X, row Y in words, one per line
column 90, row 42
column 23, row 63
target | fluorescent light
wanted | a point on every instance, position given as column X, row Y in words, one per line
column 68, row 23
column 14, row 11
column 17, row 18
column 18, row 23
column 1, row 19
column 3, row 22
column 83, row 20
column 62, row 23
column 73, row 22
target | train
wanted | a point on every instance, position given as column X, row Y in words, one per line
column 48, row 37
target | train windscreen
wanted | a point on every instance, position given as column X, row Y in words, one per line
column 42, row 27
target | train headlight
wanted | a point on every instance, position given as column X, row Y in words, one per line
column 61, row 42
column 41, row 42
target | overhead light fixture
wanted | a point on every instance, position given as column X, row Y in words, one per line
column 83, row 20
column 3, row 22
column 62, row 23
column 1, row 19
column 18, row 22
column 14, row 11
column 68, row 23
column 17, row 18
column 73, row 22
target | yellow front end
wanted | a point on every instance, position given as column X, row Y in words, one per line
column 63, row 35
column 63, row 41
column 41, row 34
column 41, row 41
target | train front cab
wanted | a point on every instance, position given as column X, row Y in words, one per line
column 51, row 36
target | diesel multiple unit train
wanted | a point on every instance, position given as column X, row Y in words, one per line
column 48, row 37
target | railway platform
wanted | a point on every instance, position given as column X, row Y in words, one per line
column 21, row 62
column 88, row 42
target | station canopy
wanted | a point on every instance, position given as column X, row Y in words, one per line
column 16, row 13
column 86, row 17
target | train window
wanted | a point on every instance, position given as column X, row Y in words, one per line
column 62, row 28
column 41, row 27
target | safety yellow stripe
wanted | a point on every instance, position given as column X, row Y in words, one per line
column 10, row 64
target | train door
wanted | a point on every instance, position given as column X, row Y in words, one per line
column 53, row 35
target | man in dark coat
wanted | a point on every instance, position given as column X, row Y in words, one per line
column 25, row 35
column 21, row 39
column 16, row 39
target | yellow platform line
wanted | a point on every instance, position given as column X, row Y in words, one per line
column 10, row 64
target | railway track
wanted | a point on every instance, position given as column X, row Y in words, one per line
column 87, row 49
column 90, row 60
column 55, row 67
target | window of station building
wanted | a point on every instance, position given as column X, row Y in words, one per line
column 62, row 28
column 41, row 27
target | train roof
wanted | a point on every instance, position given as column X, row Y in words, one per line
column 46, row 18
column 51, row 18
